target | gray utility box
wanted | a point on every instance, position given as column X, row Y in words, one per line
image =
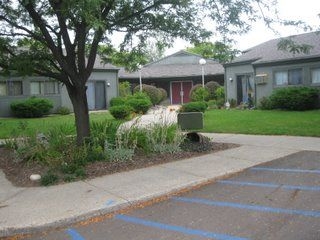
column 190, row 120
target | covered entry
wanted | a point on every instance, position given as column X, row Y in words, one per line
column 245, row 89
column 96, row 95
column 180, row 92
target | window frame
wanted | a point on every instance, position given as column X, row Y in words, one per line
column 311, row 75
column 10, row 89
column 289, row 77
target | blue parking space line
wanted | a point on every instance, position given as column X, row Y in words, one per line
column 74, row 234
column 271, row 185
column 284, row 170
column 174, row 228
column 259, row 208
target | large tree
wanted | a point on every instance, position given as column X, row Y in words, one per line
column 59, row 39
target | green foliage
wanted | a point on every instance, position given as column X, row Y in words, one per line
column 220, row 94
column 194, row 107
column 212, row 104
column 218, row 51
column 153, row 92
column 164, row 94
column 49, row 179
column 212, row 87
column 120, row 112
column 124, row 89
column 139, row 105
column 63, row 111
column 116, row 101
column 198, row 93
column 295, row 98
column 265, row 103
column 31, row 108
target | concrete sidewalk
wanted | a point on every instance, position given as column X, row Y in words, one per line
column 28, row 209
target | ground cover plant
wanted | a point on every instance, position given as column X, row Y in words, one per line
column 111, row 148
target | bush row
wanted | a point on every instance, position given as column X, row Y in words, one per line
column 31, row 108
column 291, row 98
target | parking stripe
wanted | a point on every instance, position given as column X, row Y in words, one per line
column 284, row 170
column 74, row 234
column 259, row 208
column 271, row 185
column 174, row 228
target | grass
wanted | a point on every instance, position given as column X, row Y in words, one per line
column 220, row 121
column 263, row 122
column 10, row 127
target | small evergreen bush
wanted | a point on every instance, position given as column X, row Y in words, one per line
column 212, row 86
column 124, row 89
column 31, row 108
column 194, row 107
column 116, row 101
column 198, row 93
column 164, row 94
column 265, row 104
column 139, row 105
column 295, row 98
column 154, row 93
column 121, row 111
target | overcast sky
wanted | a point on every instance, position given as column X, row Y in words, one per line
column 305, row 10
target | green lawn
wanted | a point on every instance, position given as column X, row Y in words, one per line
column 220, row 121
column 263, row 122
column 13, row 126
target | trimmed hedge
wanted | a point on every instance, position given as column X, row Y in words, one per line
column 295, row 98
column 116, row 101
column 194, row 107
column 154, row 93
column 212, row 86
column 139, row 105
column 31, row 108
column 198, row 93
column 120, row 111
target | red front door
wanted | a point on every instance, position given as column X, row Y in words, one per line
column 180, row 92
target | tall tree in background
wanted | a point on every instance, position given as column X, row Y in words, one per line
column 60, row 38
column 218, row 51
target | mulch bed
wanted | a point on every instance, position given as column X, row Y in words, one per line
column 18, row 173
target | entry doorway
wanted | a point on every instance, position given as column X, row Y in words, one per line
column 180, row 92
column 245, row 89
column 96, row 95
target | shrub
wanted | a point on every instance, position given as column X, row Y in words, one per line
column 212, row 86
column 164, row 94
column 154, row 93
column 295, row 98
column 121, row 111
column 116, row 101
column 63, row 111
column 194, row 107
column 31, row 108
column 212, row 104
column 139, row 105
column 198, row 93
column 265, row 103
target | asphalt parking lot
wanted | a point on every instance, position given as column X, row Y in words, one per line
column 277, row 200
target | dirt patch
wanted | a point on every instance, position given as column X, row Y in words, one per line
column 18, row 173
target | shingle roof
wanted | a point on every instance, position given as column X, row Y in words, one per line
column 268, row 51
column 165, row 68
column 100, row 65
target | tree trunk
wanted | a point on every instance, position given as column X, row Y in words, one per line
column 81, row 112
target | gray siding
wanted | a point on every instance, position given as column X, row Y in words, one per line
column 232, row 73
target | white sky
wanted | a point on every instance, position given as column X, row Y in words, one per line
column 305, row 10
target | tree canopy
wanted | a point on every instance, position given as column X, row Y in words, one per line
column 60, row 38
column 218, row 51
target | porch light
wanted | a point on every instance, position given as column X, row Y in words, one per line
column 202, row 62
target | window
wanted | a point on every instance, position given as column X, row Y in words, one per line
column 3, row 89
column 37, row 88
column 315, row 75
column 11, row 88
column 42, row 87
column 290, row 77
column 281, row 78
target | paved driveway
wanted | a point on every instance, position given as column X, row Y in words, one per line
column 277, row 200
